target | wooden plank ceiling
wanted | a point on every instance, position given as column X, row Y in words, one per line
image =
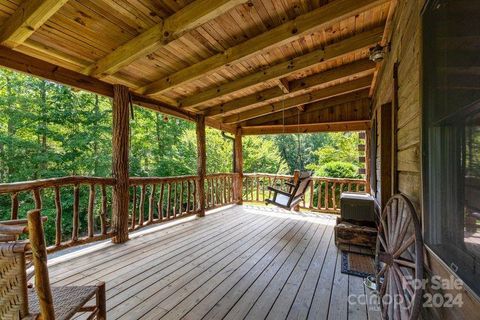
column 269, row 66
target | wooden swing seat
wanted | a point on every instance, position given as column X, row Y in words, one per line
column 288, row 200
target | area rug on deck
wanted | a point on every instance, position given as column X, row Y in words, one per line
column 357, row 264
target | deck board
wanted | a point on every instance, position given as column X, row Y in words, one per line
column 241, row 262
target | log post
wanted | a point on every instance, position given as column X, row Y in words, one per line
column 201, row 164
column 39, row 252
column 120, row 135
column 238, row 182
column 296, row 177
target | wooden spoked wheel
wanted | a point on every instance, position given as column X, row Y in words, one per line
column 399, row 260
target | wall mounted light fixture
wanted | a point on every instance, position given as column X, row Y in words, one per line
column 377, row 53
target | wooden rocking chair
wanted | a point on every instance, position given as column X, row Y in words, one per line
column 288, row 200
column 17, row 300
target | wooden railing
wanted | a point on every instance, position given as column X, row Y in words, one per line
column 80, row 208
column 155, row 199
column 323, row 194
column 88, row 195
column 219, row 190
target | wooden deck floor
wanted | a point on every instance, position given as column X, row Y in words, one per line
column 243, row 262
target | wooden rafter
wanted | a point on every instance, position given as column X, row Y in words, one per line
column 29, row 16
column 48, row 53
column 347, row 111
column 360, row 41
column 26, row 64
column 316, row 106
column 317, row 113
column 317, row 19
column 358, row 69
column 318, row 95
column 358, row 125
column 186, row 19
column 284, row 85
column 387, row 34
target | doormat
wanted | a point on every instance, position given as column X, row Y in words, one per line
column 356, row 264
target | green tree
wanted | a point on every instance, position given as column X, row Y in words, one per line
column 262, row 155
column 338, row 158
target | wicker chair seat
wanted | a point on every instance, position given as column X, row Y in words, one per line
column 67, row 300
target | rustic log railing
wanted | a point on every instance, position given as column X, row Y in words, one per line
column 157, row 199
column 323, row 194
column 219, row 190
column 80, row 208
column 71, row 228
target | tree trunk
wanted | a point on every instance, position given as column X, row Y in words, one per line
column 159, row 138
column 43, row 125
column 201, row 164
column 10, row 129
column 238, row 186
column 120, row 137
column 96, row 111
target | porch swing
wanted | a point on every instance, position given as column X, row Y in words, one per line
column 297, row 187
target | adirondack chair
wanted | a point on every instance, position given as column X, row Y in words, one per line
column 17, row 299
column 288, row 200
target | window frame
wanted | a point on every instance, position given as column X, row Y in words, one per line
column 427, row 72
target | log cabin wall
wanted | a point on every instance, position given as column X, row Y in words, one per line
column 406, row 50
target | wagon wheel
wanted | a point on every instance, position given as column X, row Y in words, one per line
column 399, row 260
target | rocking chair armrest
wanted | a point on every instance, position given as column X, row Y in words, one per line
column 13, row 229
column 279, row 191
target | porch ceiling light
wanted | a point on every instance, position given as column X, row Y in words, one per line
column 377, row 53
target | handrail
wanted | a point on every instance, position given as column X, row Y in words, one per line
column 291, row 176
column 53, row 182
column 138, row 181
column 322, row 195
column 89, row 219
column 152, row 200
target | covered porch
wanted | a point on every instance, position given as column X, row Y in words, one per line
column 281, row 68
column 238, row 262
column 194, row 246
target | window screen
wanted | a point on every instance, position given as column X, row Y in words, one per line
column 451, row 135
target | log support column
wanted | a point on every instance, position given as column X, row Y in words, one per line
column 201, row 164
column 120, row 134
column 238, row 164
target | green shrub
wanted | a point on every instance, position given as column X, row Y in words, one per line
column 338, row 169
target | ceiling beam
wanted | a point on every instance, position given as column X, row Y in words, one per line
column 320, row 56
column 154, row 105
column 387, row 34
column 284, row 85
column 329, row 92
column 316, row 106
column 26, row 64
column 186, row 19
column 357, row 69
column 359, row 125
column 348, row 111
column 320, row 18
column 29, row 17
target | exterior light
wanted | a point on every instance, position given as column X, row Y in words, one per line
column 377, row 53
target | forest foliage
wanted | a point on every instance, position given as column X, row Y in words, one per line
column 49, row 130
